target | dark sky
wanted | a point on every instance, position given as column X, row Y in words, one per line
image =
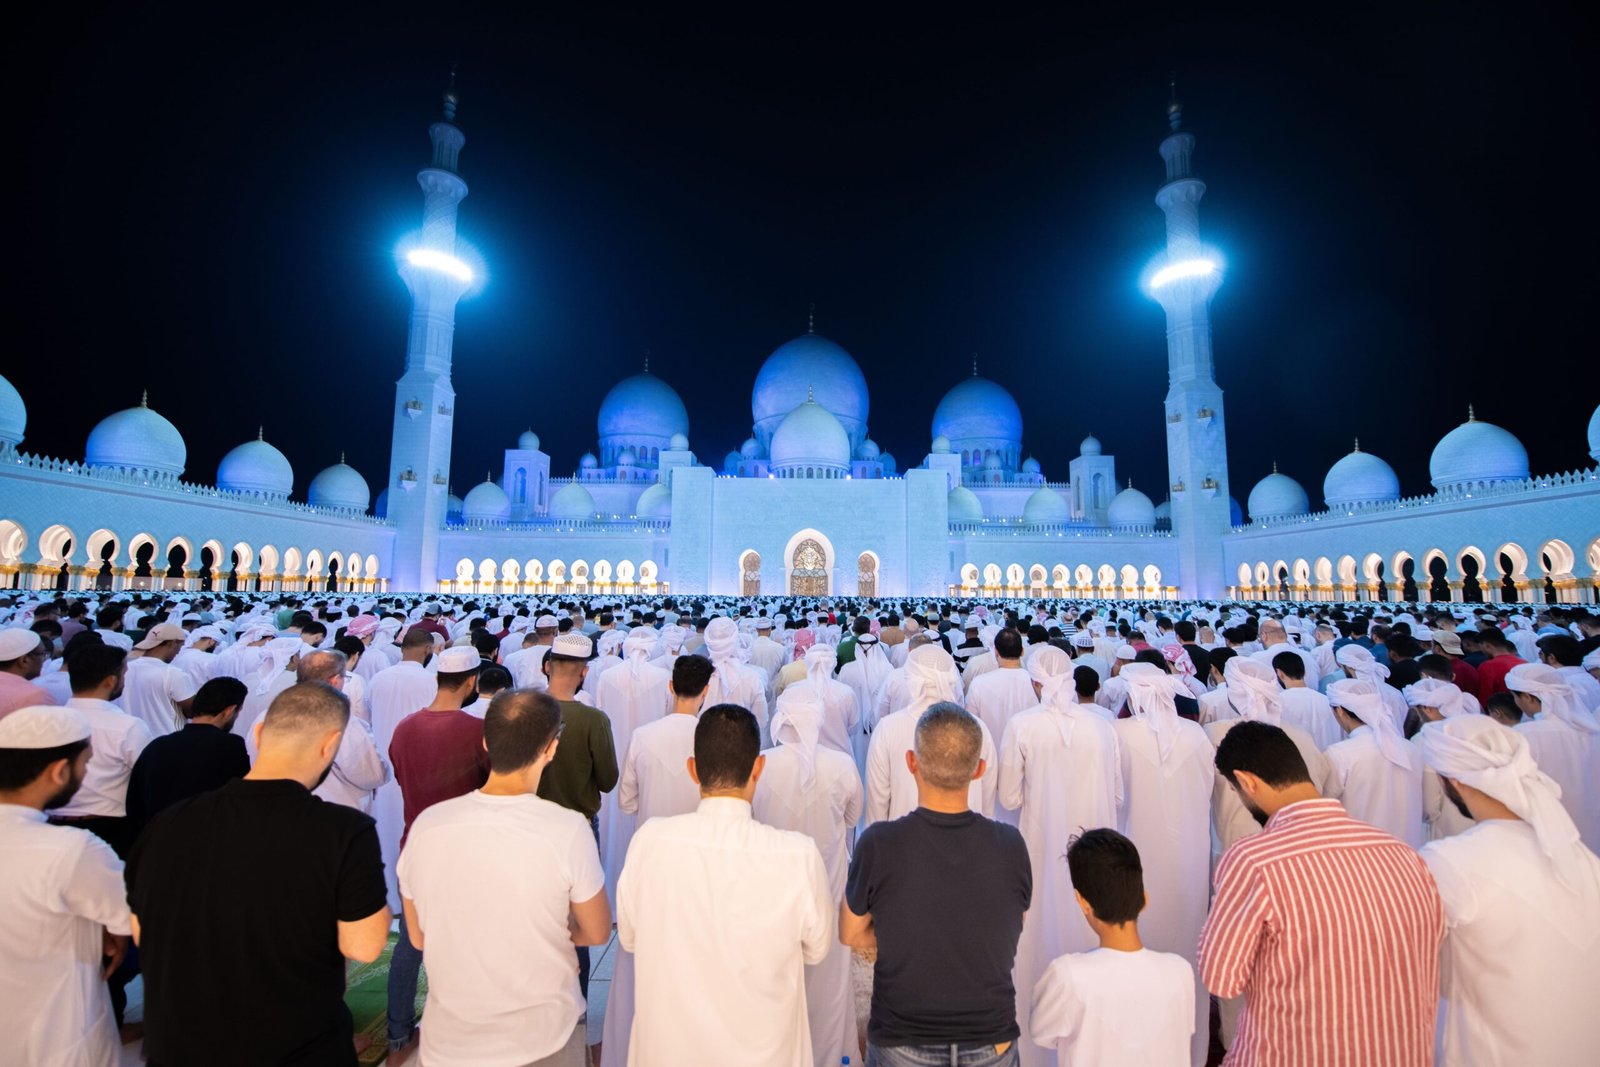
column 209, row 209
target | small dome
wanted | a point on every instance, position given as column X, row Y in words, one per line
column 677, row 443
column 1360, row 478
column 1090, row 446
column 452, row 507
column 256, row 467
column 137, row 439
column 14, row 415
column 588, row 462
column 1235, row 513
column 572, row 501
column 654, row 503
column 528, row 441
column 380, row 507
column 642, row 406
column 991, row 462
column 627, row 458
column 1131, row 508
column 1031, row 466
column 1477, row 452
column 1276, row 496
column 750, row 449
column 341, row 486
column 978, row 412
column 486, row 502
column 809, row 366
column 1164, row 511
column 730, row 463
column 1046, row 507
column 964, row 505
column 940, row 446
column 887, row 459
column 869, row 449
column 1594, row 435
column 810, row 437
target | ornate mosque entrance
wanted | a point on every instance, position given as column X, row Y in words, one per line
column 750, row 574
column 808, row 570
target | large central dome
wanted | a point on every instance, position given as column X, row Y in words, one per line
column 810, row 366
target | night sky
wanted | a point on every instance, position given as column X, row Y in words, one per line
column 209, row 210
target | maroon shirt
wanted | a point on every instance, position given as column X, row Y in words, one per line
column 1492, row 675
column 436, row 755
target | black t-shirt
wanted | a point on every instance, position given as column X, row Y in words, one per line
column 947, row 894
column 238, row 893
column 196, row 759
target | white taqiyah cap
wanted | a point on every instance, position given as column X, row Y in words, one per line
column 545, row 622
column 458, row 660
column 572, row 646
column 43, row 726
column 1126, row 652
column 16, row 642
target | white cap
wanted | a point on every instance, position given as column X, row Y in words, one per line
column 1126, row 652
column 572, row 646
column 16, row 642
column 458, row 660
column 1083, row 639
column 763, row 623
column 43, row 727
column 545, row 622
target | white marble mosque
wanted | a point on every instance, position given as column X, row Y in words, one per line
column 809, row 503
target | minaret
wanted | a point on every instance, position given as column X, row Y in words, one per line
column 1184, row 281
column 424, row 400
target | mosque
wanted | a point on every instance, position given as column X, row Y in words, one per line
column 809, row 504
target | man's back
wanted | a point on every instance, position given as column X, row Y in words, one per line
column 1332, row 929
column 196, row 759
column 586, row 760
column 722, row 913
column 997, row 695
column 238, row 894
column 1375, row 789
column 935, row 980
column 437, row 755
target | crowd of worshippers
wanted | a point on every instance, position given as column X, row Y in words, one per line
column 1151, row 833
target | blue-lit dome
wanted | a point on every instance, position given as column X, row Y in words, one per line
column 1594, row 435
column 1235, row 513
column 1477, row 452
column 1131, row 508
column 887, row 459
column 1360, row 478
column 528, row 441
column 452, row 507
column 572, row 501
column 1277, row 496
column 1090, row 446
column 587, row 461
column 940, row 446
column 809, row 366
column 341, row 486
column 256, row 467
column 486, row 502
column 870, row 450
column 627, row 458
column 750, row 449
column 1164, row 511
column 1031, row 466
column 991, row 462
column 964, row 505
column 654, row 503
column 730, row 463
column 14, row 415
column 380, row 507
column 1046, row 507
column 678, row 443
column 979, row 416
column 810, row 437
column 642, row 411
column 137, row 439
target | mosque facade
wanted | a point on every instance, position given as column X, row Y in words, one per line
column 809, row 504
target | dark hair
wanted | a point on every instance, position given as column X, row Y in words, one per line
column 726, row 744
column 1405, row 645
column 1086, row 680
column 108, row 617
column 949, row 743
column 691, row 675
column 1185, row 630
column 216, row 695
column 92, row 664
column 1154, row 658
column 21, row 767
column 1037, row 635
column 1505, row 704
column 1290, row 664
column 1219, row 658
column 494, row 677
column 453, row 679
column 1436, row 665
column 416, row 638
column 1563, row 648
column 350, row 646
column 1105, row 869
column 519, row 725
column 486, row 645
column 1263, row 750
column 861, row 625
column 1008, row 644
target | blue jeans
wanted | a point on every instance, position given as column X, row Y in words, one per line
column 941, row 1056
column 403, row 968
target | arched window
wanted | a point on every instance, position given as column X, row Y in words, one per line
column 750, row 574
column 808, row 576
column 521, row 482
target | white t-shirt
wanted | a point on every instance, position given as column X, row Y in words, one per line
column 493, row 879
column 1108, row 1006
column 151, row 691
column 115, row 741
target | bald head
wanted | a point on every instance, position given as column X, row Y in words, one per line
column 303, row 714
column 1273, row 633
column 320, row 666
column 947, row 743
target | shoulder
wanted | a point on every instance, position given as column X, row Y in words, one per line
column 342, row 821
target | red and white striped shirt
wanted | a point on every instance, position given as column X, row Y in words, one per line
column 1331, row 929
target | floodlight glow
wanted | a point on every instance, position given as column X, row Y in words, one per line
column 1188, row 268
column 439, row 261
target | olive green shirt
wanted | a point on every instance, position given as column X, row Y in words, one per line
column 586, row 760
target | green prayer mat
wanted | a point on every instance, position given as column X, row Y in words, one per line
column 366, row 993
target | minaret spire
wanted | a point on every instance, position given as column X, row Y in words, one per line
column 144, row 399
column 974, row 364
column 811, row 318
column 450, row 99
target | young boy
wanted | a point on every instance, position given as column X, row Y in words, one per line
column 1120, row 1003
column 1502, row 708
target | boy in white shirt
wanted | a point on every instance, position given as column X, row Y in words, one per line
column 1121, row 1002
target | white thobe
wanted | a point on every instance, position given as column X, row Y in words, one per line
column 892, row 792
column 744, row 685
column 976, row 667
column 631, row 697
column 358, row 770
column 826, row 813
column 766, row 654
column 526, row 667
column 1519, row 966
column 1230, row 819
column 598, row 669
column 258, row 700
column 865, row 675
column 151, row 691
column 394, row 693
column 1267, row 655
column 1113, row 695
column 1310, row 711
column 1165, row 812
column 841, row 718
column 355, row 688
column 199, row 666
column 1064, row 785
column 1572, row 758
column 1089, row 659
column 995, row 697
column 722, row 914
column 655, row 783
column 1376, row 791
column 1584, row 686
column 62, row 885
column 115, row 741
column 1442, row 817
